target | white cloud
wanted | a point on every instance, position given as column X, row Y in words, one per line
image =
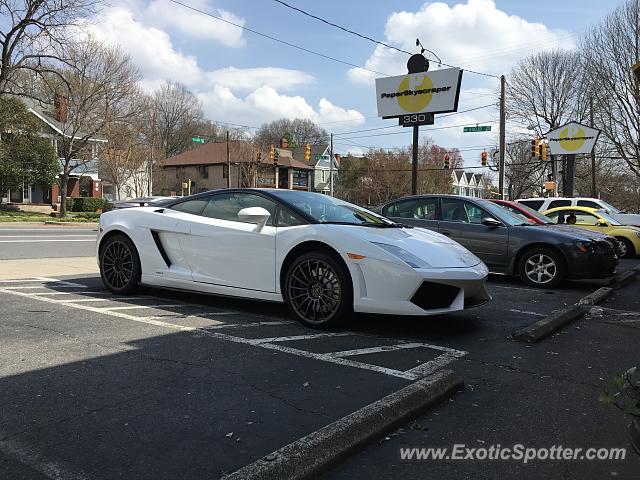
column 247, row 79
column 475, row 35
column 165, row 14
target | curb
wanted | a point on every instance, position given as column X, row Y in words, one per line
column 537, row 331
column 308, row 455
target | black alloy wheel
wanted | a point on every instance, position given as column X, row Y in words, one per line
column 318, row 290
column 627, row 250
column 120, row 265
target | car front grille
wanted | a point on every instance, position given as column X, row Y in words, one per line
column 432, row 295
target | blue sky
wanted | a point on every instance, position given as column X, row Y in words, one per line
column 246, row 79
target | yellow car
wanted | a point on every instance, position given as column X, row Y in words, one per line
column 598, row 221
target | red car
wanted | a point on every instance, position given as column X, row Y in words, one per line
column 532, row 216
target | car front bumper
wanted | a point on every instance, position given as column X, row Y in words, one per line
column 598, row 264
column 388, row 288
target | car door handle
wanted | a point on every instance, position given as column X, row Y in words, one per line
column 446, row 232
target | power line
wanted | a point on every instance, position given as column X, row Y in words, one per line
column 428, row 130
column 373, row 40
column 277, row 39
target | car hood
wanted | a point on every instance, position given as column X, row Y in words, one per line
column 432, row 247
column 627, row 218
column 580, row 232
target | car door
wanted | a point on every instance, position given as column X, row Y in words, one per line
column 223, row 250
column 588, row 221
column 418, row 211
column 461, row 220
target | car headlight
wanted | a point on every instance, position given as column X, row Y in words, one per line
column 407, row 257
column 584, row 246
column 637, row 234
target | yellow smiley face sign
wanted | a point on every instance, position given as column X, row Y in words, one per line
column 426, row 92
column 572, row 138
column 415, row 103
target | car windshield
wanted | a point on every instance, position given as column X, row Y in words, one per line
column 535, row 213
column 609, row 207
column 325, row 209
column 609, row 218
column 503, row 214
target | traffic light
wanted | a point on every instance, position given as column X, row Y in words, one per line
column 446, row 162
column 543, row 152
column 276, row 157
column 272, row 152
column 307, row 152
column 484, row 159
column 259, row 157
column 535, row 148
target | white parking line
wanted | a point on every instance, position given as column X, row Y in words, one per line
column 133, row 307
column 75, row 300
column 527, row 312
column 270, row 343
column 21, row 280
column 32, row 287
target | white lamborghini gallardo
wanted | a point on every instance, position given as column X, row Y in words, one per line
column 324, row 257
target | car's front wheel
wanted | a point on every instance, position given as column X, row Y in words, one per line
column 627, row 250
column 541, row 268
column 120, row 265
column 317, row 289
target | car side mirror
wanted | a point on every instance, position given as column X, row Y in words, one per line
column 257, row 215
column 602, row 223
column 491, row 222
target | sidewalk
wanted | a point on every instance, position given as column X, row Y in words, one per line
column 47, row 267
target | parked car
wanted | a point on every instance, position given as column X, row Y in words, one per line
column 541, row 255
column 544, row 204
column 598, row 221
column 139, row 202
column 537, row 218
column 322, row 256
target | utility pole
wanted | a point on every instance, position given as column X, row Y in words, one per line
column 331, row 166
column 569, row 175
column 502, row 135
column 594, row 190
column 228, row 163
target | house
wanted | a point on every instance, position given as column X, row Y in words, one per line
column 471, row 184
column 206, row 168
column 319, row 161
column 84, row 180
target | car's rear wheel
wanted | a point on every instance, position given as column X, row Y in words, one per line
column 627, row 250
column 317, row 289
column 120, row 265
column 541, row 268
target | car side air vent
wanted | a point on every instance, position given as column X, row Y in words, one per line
column 156, row 239
column 160, row 210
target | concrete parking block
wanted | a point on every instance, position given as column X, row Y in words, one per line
column 50, row 267
column 318, row 450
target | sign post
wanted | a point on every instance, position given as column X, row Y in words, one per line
column 570, row 140
column 415, row 98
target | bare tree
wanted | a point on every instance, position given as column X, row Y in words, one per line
column 525, row 175
column 98, row 89
column 33, row 39
column 298, row 132
column 546, row 90
column 610, row 49
column 179, row 117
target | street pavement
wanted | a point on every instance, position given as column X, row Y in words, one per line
column 46, row 241
column 180, row 385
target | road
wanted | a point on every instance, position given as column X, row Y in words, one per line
column 165, row 384
column 46, row 241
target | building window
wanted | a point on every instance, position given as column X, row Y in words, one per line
column 299, row 178
column 203, row 171
column 225, row 170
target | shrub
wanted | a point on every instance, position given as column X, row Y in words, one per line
column 70, row 204
column 88, row 204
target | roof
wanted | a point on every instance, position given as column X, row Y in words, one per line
column 44, row 113
column 215, row 153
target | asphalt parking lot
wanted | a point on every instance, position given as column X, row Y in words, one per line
column 179, row 385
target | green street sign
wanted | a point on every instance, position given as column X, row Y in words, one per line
column 197, row 139
column 484, row 128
